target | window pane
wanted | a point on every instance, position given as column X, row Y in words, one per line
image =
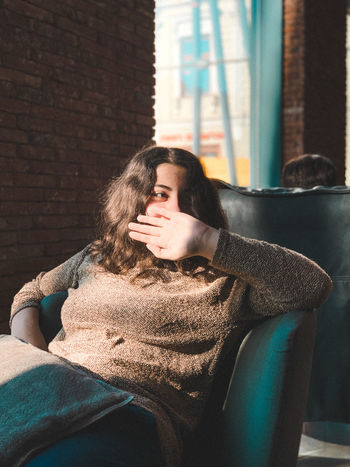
column 221, row 78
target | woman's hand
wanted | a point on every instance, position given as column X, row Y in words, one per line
column 174, row 235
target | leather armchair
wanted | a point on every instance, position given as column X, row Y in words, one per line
column 315, row 222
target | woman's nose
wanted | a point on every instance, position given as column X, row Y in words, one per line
column 173, row 204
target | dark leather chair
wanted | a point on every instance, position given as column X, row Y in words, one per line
column 315, row 222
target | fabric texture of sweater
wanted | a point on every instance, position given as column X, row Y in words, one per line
column 161, row 340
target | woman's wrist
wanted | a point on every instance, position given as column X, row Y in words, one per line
column 209, row 242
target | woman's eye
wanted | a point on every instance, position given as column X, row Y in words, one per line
column 159, row 195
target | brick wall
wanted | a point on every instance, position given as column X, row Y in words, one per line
column 314, row 73
column 76, row 87
column 293, row 79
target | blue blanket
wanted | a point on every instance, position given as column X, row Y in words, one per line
column 43, row 398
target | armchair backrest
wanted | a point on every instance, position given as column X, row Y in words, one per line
column 316, row 223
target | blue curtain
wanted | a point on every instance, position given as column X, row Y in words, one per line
column 266, row 91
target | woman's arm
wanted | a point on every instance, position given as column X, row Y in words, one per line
column 25, row 326
column 26, row 303
column 278, row 279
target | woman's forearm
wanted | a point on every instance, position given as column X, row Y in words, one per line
column 279, row 277
column 25, row 325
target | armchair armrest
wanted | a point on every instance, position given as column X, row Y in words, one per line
column 50, row 314
column 266, row 399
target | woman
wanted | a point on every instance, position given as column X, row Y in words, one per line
column 162, row 295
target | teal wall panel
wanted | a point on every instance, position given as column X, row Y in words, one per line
column 266, row 91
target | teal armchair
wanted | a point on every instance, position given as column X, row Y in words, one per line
column 315, row 222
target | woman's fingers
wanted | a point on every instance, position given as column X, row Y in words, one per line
column 146, row 238
column 157, row 211
column 157, row 221
column 145, row 229
column 139, row 236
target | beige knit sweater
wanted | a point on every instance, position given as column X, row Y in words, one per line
column 162, row 340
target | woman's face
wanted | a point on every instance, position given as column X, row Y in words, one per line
column 170, row 190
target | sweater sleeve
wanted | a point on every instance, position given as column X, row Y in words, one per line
column 277, row 279
column 62, row 277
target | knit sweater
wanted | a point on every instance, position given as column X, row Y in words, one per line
column 161, row 340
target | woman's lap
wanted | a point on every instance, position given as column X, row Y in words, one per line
column 126, row 437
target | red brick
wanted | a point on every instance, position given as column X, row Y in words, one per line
column 7, row 134
column 53, row 141
column 73, row 27
column 77, row 106
column 29, row 123
column 6, row 179
column 81, row 182
column 7, row 89
column 16, row 223
column 36, row 153
column 28, row 10
column 88, row 196
column 21, row 63
column 7, row 253
column 7, row 238
column 31, row 250
column 87, row 221
column 7, row 268
column 38, row 236
column 7, row 120
column 13, row 106
column 53, row 168
column 97, row 49
column 55, row 222
column 83, row 158
column 60, row 8
column 65, row 247
column 90, row 8
column 97, row 146
column 19, row 20
column 7, row 149
column 81, row 233
column 21, row 194
column 27, row 265
column 9, row 165
column 20, row 77
column 60, row 195
column 36, row 180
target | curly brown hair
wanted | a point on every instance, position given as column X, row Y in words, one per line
column 125, row 198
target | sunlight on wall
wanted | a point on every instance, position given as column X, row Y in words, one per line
column 216, row 167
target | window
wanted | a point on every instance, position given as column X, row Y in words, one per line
column 187, row 77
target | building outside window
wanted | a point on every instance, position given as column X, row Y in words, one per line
column 220, row 78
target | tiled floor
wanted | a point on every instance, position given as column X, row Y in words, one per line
column 315, row 453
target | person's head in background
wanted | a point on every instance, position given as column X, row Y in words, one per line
column 307, row 171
